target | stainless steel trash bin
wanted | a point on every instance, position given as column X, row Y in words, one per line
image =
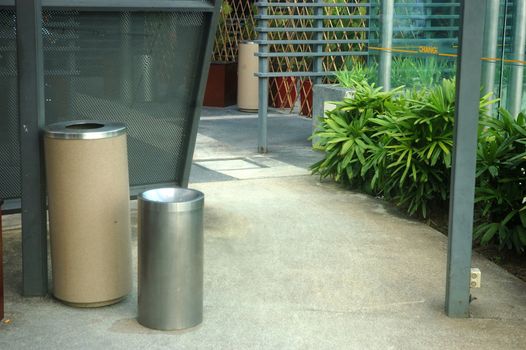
column 170, row 238
column 89, row 216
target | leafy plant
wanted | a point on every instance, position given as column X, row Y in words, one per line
column 501, row 182
column 358, row 73
column 419, row 72
column 410, row 72
column 418, row 152
column 397, row 145
column 346, row 135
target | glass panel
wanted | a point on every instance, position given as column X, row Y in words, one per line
column 425, row 39
column 511, row 53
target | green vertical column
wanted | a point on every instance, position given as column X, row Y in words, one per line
column 491, row 34
column 386, row 40
column 263, row 82
column 205, row 66
column 464, row 158
column 32, row 120
column 515, row 88
column 318, row 61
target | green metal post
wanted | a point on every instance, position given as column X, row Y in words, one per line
column 31, row 109
column 464, row 158
column 318, row 61
column 428, row 11
column 452, row 10
column 491, row 34
column 515, row 87
column 205, row 66
column 263, row 85
column 387, row 17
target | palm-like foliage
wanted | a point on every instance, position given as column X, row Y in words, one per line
column 399, row 145
column 358, row 72
column 501, row 182
column 419, row 149
column 393, row 144
column 346, row 135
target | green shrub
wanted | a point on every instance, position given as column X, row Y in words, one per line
column 418, row 150
column 358, row 73
column 414, row 72
column 393, row 144
column 399, row 144
column 346, row 135
column 501, row 182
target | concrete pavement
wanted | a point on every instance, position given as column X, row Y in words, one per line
column 290, row 263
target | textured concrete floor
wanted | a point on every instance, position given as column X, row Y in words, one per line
column 291, row 263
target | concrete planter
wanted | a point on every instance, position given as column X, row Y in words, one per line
column 323, row 100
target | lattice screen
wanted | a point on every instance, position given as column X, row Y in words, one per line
column 236, row 23
column 290, row 92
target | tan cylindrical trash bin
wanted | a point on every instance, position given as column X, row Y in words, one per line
column 89, row 220
column 247, row 83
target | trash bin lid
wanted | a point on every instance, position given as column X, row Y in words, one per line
column 84, row 130
column 172, row 199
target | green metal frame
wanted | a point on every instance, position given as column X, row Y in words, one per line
column 317, row 53
column 515, row 87
column 461, row 206
column 31, row 106
column 31, row 111
column 491, row 35
column 386, row 38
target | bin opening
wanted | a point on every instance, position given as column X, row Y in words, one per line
column 85, row 126
column 172, row 195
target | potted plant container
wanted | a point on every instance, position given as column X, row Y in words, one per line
column 324, row 98
column 221, row 87
column 306, row 97
column 284, row 91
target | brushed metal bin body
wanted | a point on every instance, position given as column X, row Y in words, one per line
column 170, row 239
column 89, row 213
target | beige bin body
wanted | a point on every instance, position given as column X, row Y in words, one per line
column 89, row 215
column 248, row 87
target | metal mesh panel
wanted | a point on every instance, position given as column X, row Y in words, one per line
column 136, row 68
column 9, row 124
